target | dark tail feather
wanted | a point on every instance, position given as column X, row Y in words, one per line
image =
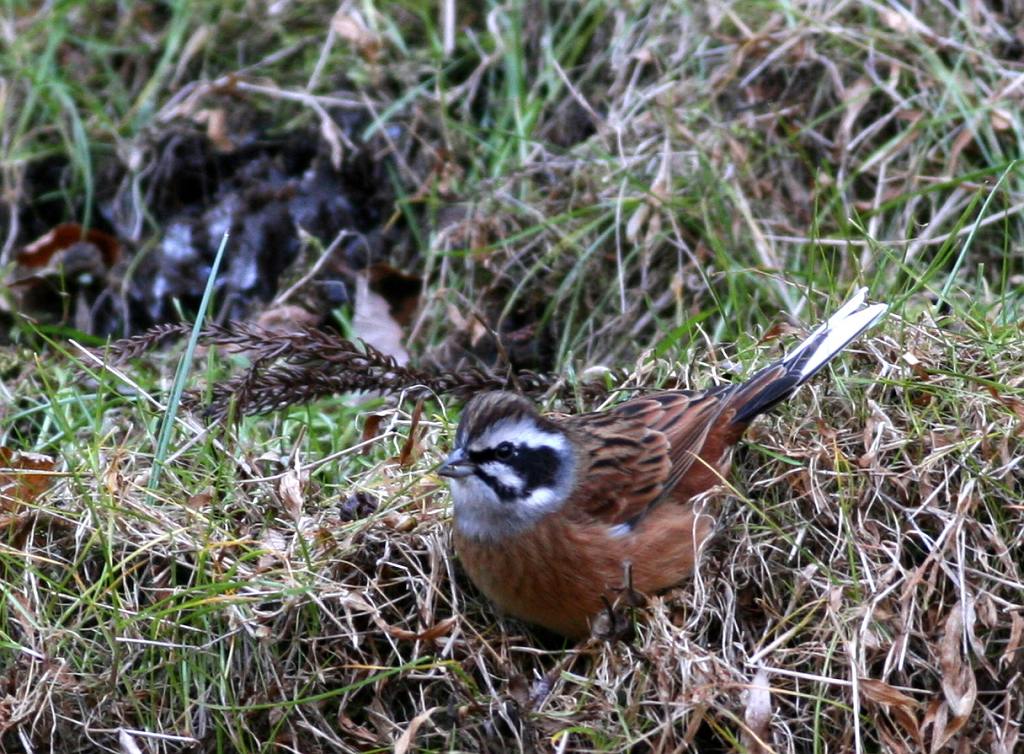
column 777, row 381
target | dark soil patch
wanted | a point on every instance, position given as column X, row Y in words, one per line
column 268, row 191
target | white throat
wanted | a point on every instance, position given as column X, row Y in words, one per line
column 481, row 515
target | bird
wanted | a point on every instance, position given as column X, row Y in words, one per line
column 553, row 515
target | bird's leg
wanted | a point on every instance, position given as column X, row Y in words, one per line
column 611, row 624
column 615, row 621
column 627, row 594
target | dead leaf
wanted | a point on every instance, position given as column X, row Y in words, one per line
column 959, row 686
column 1013, row 643
column 400, row 522
column 23, row 476
column 216, row 121
column 960, row 143
column 59, row 276
column 439, row 629
column 200, row 500
column 113, row 480
column 458, row 322
column 410, row 448
column 939, row 439
column 405, row 740
column 899, row 21
column 519, row 689
column 373, row 323
column 637, row 221
column 882, row 693
column 129, row 744
column 1002, row 119
column 351, row 27
column 290, row 490
column 936, row 716
column 778, row 330
column 371, row 429
column 287, row 318
column 855, row 98
column 1016, row 405
column 901, row 707
column 758, row 714
column 352, row 728
column 400, row 289
column 274, row 544
column 41, row 252
column 332, row 135
column 892, row 742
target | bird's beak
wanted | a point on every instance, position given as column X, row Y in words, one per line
column 457, row 465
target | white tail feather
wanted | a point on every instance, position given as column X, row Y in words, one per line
column 828, row 339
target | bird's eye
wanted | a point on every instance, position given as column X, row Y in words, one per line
column 504, row 451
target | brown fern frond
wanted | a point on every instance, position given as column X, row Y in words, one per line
column 293, row 368
column 119, row 351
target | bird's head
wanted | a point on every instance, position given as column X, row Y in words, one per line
column 510, row 467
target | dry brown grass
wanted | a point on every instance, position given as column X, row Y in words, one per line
column 290, row 584
column 863, row 590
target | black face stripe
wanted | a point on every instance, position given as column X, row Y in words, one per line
column 539, row 466
column 503, row 491
column 536, row 466
column 487, row 454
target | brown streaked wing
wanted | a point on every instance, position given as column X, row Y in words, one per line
column 687, row 419
column 628, row 459
column 702, row 426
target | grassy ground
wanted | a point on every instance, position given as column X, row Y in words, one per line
column 651, row 188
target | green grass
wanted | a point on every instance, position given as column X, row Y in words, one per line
column 711, row 171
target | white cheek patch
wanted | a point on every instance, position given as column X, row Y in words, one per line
column 540, row 499
column 504, row 475
column 519, row 432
